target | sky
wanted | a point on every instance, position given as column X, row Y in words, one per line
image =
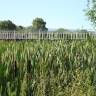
column 68, row 14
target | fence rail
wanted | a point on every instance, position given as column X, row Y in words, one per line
column 10, row 35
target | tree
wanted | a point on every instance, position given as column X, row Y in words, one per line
column 19, row 27
column 7, row 25
column 91, row 11
column 39, row 24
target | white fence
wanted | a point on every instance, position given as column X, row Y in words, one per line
column 10, row 35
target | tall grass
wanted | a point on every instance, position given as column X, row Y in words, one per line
column 48, row 68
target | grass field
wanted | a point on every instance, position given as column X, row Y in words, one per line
column 48, row 68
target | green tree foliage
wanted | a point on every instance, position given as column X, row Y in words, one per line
column 19, row 28
column 39, row 24
column 91, row 11
column 7, row 25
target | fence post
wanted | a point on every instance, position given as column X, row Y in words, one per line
column 14, row 35
column 39, row 34
column 76, row 35
column 71, row 36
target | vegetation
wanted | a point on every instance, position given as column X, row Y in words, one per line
column 39, row 24
column 48, row 68
column 7, row 25
column 19, row 28
column 91, row 11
